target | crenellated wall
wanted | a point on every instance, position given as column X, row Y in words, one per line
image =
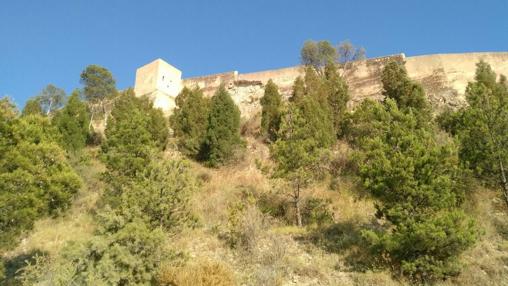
column 443, row 76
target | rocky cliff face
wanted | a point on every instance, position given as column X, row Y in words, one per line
column 444, row 78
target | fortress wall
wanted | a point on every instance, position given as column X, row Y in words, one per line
column 444, row 78
column 284, row 78
column 210, row 83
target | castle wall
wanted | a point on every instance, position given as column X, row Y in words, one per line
column 210, row 83
column 444, row 78
column 247, row 89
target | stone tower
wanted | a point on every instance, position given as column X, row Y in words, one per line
column 161, row 82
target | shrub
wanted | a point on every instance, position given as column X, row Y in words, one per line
column 124, row 251
column 245, row 225
column 163, row 194
column 275, row 206
column 316, row 211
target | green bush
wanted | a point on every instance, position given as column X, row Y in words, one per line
column 36, row 178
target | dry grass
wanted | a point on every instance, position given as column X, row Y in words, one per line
column 227, row 184
column 198, row 273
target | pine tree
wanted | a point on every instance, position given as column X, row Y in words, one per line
column 418, row 186
column 124, row 250
column 35, row 176
column 338, row 96
column 482, row 127
column 99, row 86
column 189, row 121
column 323, row 82
column 72, row 122
column 315, row 107
column 415, row 178
column 297, row 153
column 271, row 103
column 8, row 114
column 133, row 133
column 99, row 83
column 223, row 132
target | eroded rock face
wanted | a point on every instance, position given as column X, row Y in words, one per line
column 444, row 78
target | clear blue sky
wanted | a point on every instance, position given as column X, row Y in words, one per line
column 49, row 41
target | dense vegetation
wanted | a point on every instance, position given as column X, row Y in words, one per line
column 412, row 167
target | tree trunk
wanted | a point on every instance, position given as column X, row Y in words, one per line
column 298, row 213
column 49, row 107
column 504, row 182
column 105, row 113
column 91, row 120
column 296, row 198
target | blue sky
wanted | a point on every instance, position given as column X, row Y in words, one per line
column 52, row 41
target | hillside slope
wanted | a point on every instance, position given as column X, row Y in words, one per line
column 262, row 247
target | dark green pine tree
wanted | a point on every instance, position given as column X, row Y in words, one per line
column 72, row 122
column 338, row 96
column 189, row 120
column 223, row 132
column 271, row 103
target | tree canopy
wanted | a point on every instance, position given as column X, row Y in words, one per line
column 99, row 83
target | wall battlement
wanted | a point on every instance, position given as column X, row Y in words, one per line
column 443, row 76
